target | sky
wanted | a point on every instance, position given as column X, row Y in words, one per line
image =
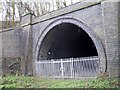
column 68, row 2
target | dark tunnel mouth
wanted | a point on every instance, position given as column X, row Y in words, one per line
column 66, row 40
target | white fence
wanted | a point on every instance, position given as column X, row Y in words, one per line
column 68, row 68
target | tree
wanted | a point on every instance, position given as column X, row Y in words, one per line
column 10, row 8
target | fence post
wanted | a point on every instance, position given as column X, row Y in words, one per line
column 53, row 66
column 62, row 68
column 71, row 60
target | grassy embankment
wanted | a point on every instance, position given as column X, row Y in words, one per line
column 10, row 81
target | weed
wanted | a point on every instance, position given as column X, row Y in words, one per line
column 10, row 81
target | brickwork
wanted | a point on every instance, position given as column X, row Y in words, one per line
column 100, row 20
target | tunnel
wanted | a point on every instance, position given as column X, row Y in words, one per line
column 66, row 40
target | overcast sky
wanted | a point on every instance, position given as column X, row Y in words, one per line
column 68, row 2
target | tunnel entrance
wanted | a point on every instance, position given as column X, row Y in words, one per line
column 66, row 40
column 67, row 51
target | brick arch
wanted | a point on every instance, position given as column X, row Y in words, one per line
column 96, row 40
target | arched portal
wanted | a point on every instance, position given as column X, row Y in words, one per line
column 66, row 40
column 69, row 38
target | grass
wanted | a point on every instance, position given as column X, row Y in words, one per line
column 10, row 81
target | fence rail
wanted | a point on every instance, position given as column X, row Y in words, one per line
column 68, row 68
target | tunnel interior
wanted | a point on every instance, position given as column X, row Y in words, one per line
column 66, row 40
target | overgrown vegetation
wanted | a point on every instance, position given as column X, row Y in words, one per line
column 10, row 81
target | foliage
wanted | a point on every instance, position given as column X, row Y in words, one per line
column 12, row 10
column 10, row 81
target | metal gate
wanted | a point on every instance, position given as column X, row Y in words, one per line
column 68, row 68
